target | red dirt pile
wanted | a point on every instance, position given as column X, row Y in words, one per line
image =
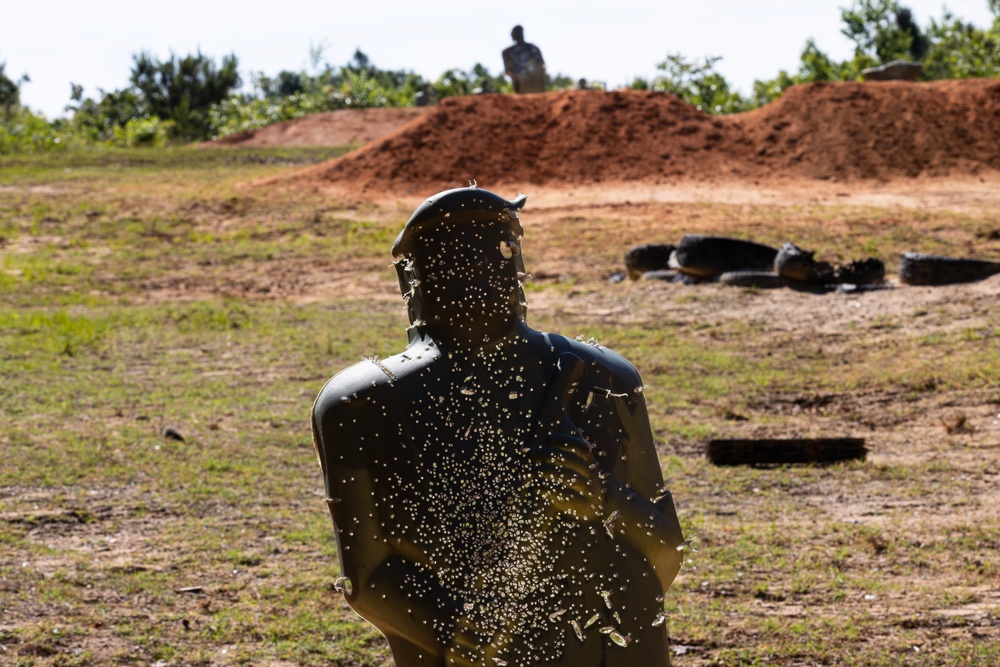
column 879, row 130
column 847, row 131
column 566, row 137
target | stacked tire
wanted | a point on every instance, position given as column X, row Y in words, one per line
column 921, row 269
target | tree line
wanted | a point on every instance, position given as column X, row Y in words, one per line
column 881, row 30
column 194, row 98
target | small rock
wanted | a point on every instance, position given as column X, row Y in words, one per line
column 170, row 433
column 897, row 70
column 664, row 274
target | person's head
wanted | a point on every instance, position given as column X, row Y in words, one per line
column 458, row 263
column 517, row 34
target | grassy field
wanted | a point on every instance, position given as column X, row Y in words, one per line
column 146, row 290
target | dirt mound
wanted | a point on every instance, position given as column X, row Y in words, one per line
column 878, row 130
column 844, row 131
column 566, row 137
column 326, row 128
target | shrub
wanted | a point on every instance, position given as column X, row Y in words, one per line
column 183, row 90
column 699, row 84
column 148, row 132
column 22, row 131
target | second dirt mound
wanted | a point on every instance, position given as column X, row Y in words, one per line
column 879, row 130
column 848, row 131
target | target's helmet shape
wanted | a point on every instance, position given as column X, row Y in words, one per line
column 462, row 205
column 459, row 266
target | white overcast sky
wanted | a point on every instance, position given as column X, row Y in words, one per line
column 91, row 42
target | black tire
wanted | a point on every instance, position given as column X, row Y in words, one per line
column 648, row 257
column 759, row 279
column 708, row 256
column 869, row 271
column 920, row 269
column 794, row 263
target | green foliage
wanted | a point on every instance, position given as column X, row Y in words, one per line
column 814, row 65
column 167, row 100
column 192, row 98
column 22, row 131
column 240, row 115
column 560, row 81
column 453, row 82
column 881, row 30
column 10, row 90
column 356, row 84
column 183, row 90
column 919, row 42
column 365, row 89
column 388, row 87
column 285, row 84
column 699, row 84
column 476, row 80
column 101, row 120
column 149, row 132
column 960, row 50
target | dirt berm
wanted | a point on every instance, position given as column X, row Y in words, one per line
column 344, row 127
column 844, row 131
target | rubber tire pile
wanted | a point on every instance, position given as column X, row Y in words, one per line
column 731, row 261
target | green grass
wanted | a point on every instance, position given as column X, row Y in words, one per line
column 108, row 164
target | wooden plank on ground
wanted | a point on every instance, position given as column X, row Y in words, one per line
column 742, row 451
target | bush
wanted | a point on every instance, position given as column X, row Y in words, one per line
column 10, row 90
column 814, row 66
column 239, row 115
column 101, row 120
column 183, row 90
column 699, row 84
column 960, row 50
column 882, row 30
column 144, row 132
column 22, row 131
column 355, row 85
